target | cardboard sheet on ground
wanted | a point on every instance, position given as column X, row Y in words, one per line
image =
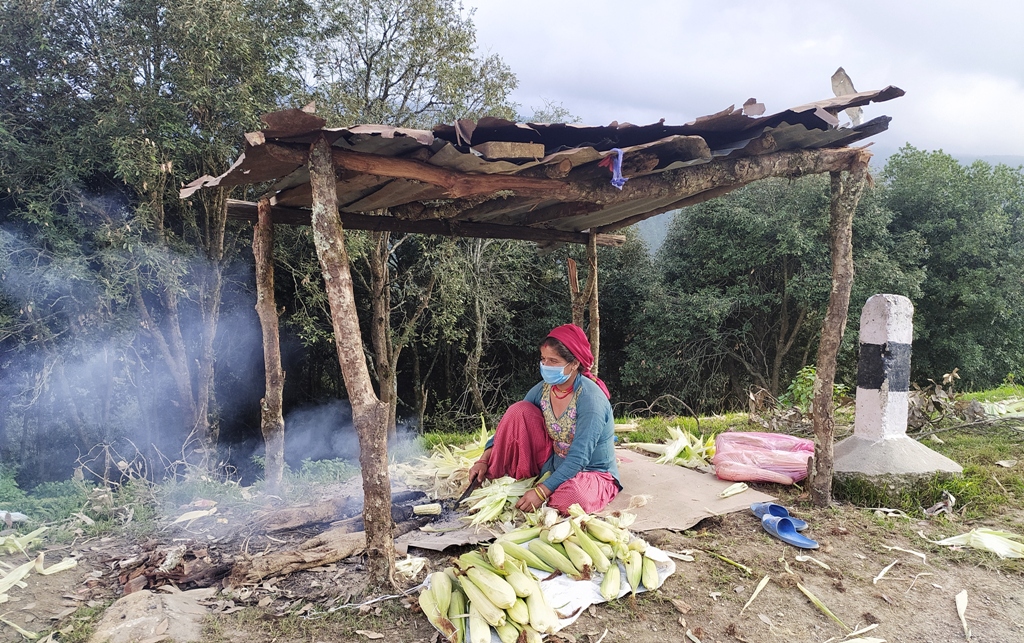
column 570, row 598
column 679, row 498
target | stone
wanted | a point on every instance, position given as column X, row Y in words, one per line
column 148, row 615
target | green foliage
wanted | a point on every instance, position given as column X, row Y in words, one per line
column 11, row 495
column 800, row 392
column 326, row 471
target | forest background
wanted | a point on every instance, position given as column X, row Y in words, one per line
column 126, row 314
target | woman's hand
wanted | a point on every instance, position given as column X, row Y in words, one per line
column 479, row 470
column 533, row 499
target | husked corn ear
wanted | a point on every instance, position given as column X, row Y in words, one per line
column 553, row 557
column 521, row 580
column 483, row 605
column 649, row 574
column 507, row 633
column 430, row 509
column 522, row 553
column 493, row 586
column 476, row 559
column 634, row 569
column 580, row 559
column 612, row 583
column 479, row 629
column 496, row 555
column 587, row 544
column 520, row 536
column 519, row 612
column 559, row 531
column 457, row 615
column 441, row 586
column 437, row 618
column 542, row 615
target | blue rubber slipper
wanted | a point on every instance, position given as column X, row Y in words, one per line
column 762, row 509
column 782, row 528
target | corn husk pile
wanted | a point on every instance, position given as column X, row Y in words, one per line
column 684, row 449
column 496, row 499
column 1002, row 543
column 445, row 471
column 496, row 589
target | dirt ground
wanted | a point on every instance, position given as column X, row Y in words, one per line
column 913, row 602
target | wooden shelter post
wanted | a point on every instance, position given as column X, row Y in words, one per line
column 271, row 417
column 846, row 193
column 369, row 414
column 587, row 300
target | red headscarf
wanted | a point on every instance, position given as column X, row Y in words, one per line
column 573, row 337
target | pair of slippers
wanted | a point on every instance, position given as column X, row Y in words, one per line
column 775, row 519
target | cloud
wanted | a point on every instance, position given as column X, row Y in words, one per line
column 642, row 61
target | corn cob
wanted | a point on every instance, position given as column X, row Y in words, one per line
column 483, row 605
column 457, row 615
column 520, row 536
column 479, row 632
column 476, row 559
column 441, row 586
column 430, row 509
column 559, row 531
column 634, row 568
column 496, row 555
column 580, row 559
column 507, row 633
column 649, row 574
column 559, row 547
column 493, row 586
column 612, row 583
column 437, row 618
column 519, row 612
column 552, row 557
column 522, row 553
column 606, row 549
column 520, row 579
column 587, row 544
column 542, row 615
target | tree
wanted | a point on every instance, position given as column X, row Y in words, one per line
column 406, row 63
column 969, row 315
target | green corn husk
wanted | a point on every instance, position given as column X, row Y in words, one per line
column 587, row 544
column 519, row 612
column 479, row 627
column 821, row 606
column 612, row 583
column 520, row 536
column 757, row 590
column 634, row 569
column 457, row 615
column 542, row 615
column 493, row 586
column 649, row 574
column 525, row 555
column 531, row 635
column 436, row 617
column 520, row 579
column 441, row 587
column 507, row 633
column 580, row 559
column 556, row 559
column 496, row 555
column 476, row 559
column 488, row 610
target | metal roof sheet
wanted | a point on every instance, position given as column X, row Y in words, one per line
column 573, row 155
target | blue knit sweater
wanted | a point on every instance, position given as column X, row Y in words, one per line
column 593, row 445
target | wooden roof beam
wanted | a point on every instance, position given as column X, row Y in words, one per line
column 246, row 210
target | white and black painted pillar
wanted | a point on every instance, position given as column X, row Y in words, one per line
column 883, row 371
column 880, row 445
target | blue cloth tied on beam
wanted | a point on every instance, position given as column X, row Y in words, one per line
column 614, row 163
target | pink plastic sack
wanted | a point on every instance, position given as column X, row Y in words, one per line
column 761, row 457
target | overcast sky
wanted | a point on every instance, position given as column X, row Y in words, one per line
column 961, row 63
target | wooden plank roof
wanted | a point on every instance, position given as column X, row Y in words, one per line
column 538, row 181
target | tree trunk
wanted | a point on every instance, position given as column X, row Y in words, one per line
column 271, row 416
column 380, row 325
column 594, row 329
column 368, row 413
column 846, row 193
column 214, row 206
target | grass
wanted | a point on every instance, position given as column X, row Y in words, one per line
column 1006, row 391
column 655, row 429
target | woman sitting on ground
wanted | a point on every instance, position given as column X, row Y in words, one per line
column 564, row 426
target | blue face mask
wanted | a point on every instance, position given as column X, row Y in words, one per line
column 553, row 374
